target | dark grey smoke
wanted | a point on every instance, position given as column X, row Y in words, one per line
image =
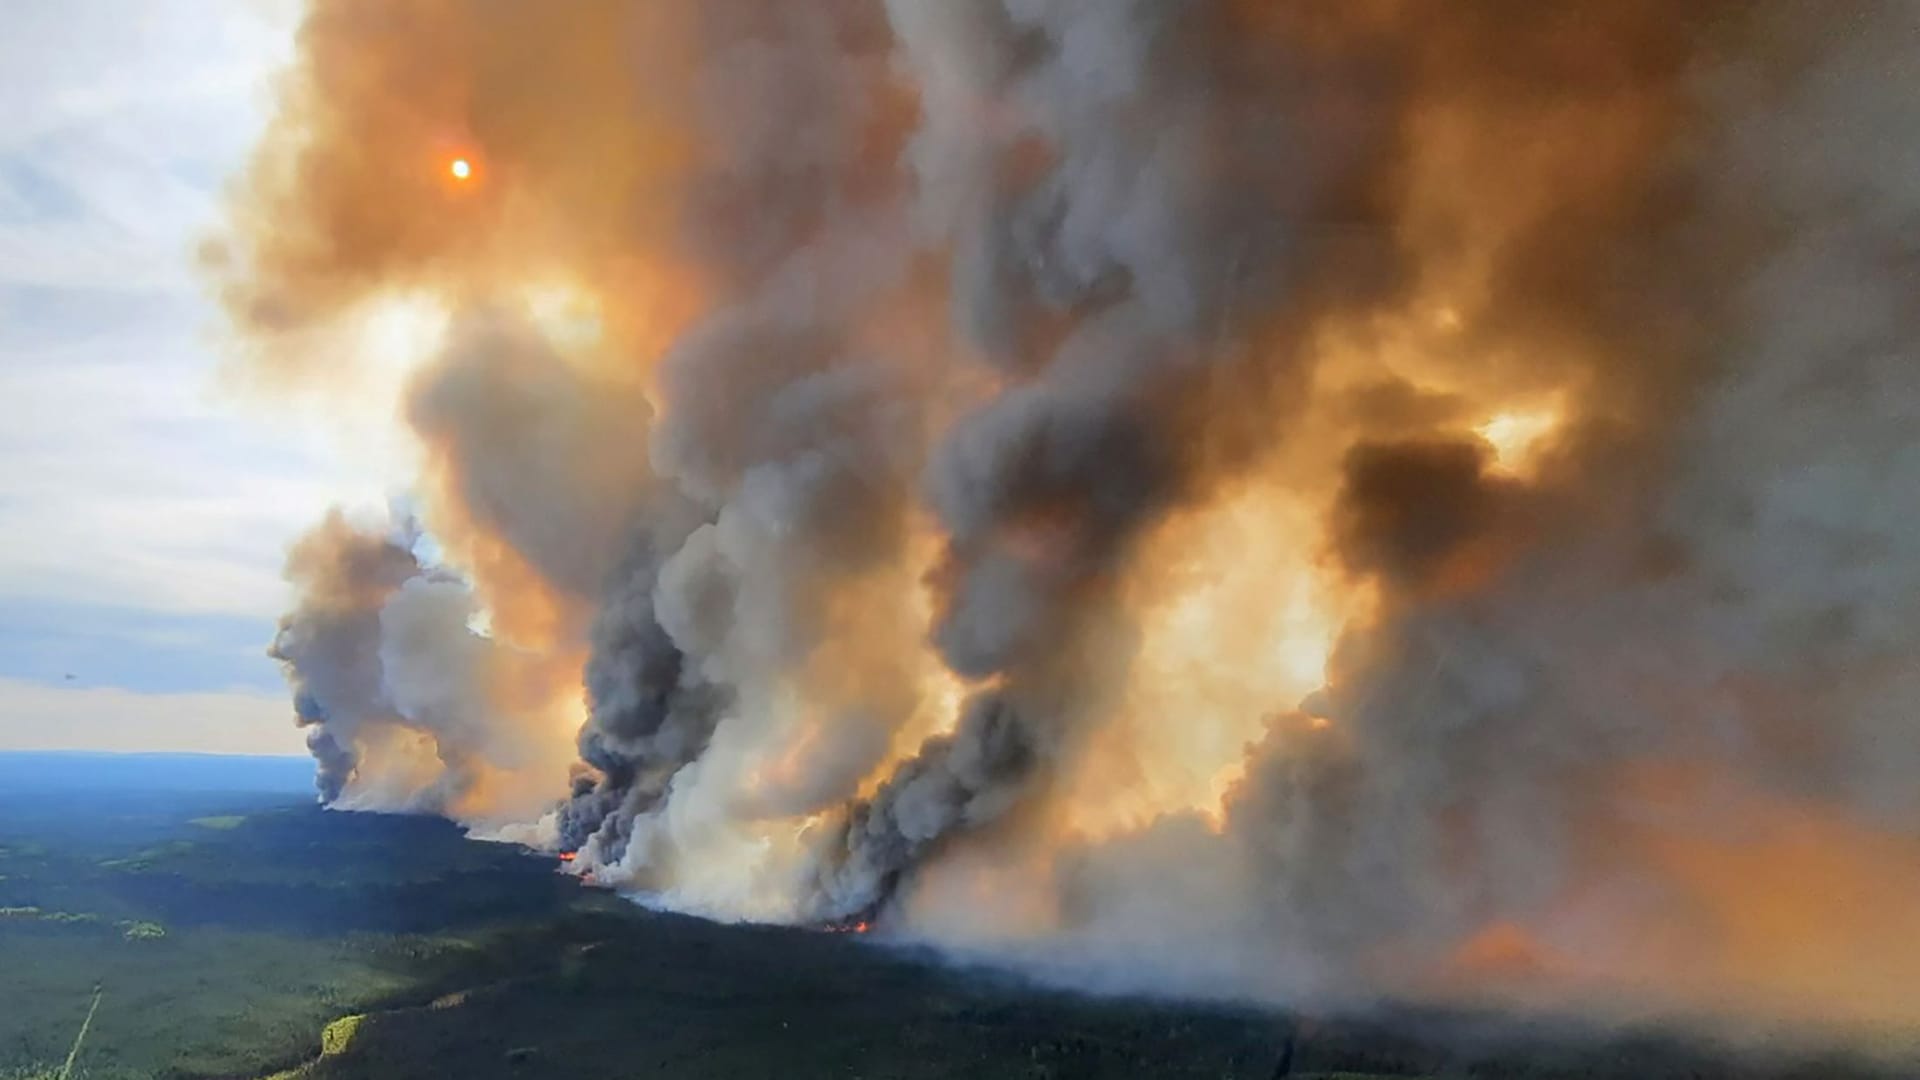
column 790, row 439
column 329, row 646
column 651, row 714
column 409, row 706
column 963, row 780
column 1406, row 508
column 549, row 461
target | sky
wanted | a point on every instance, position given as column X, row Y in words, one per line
column 144, row 509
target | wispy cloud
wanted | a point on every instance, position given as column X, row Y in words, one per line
column 121, row 484
column 72, row 645
column 133, row 501
column 35, row 716
column 118, row 482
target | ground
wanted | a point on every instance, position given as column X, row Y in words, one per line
column 247, row 933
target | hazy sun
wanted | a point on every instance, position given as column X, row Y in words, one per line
column 461, row 168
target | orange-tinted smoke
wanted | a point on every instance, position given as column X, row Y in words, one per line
column 1446, row 443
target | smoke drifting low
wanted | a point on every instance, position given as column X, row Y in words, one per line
column 1314, row 502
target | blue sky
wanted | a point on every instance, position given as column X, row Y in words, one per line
column 144, row 511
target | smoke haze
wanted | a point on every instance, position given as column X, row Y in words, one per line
column 1310, row 502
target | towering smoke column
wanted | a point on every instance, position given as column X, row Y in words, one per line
column 1240, row 497
column 406, row 706
column 330, row 644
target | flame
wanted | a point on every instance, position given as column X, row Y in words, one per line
column 568, row 856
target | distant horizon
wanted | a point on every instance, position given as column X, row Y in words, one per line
column 27, row 772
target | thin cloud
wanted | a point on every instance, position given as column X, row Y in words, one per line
column 36, row 716
column 124, row 486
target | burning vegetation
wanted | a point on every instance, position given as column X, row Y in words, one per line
column 1231, row 497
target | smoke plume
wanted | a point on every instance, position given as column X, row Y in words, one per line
column 1297, row 501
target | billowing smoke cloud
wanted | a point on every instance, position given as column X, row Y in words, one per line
column 1248, row 498
column 965, row 779
column 408, row 707
column 330, row 643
